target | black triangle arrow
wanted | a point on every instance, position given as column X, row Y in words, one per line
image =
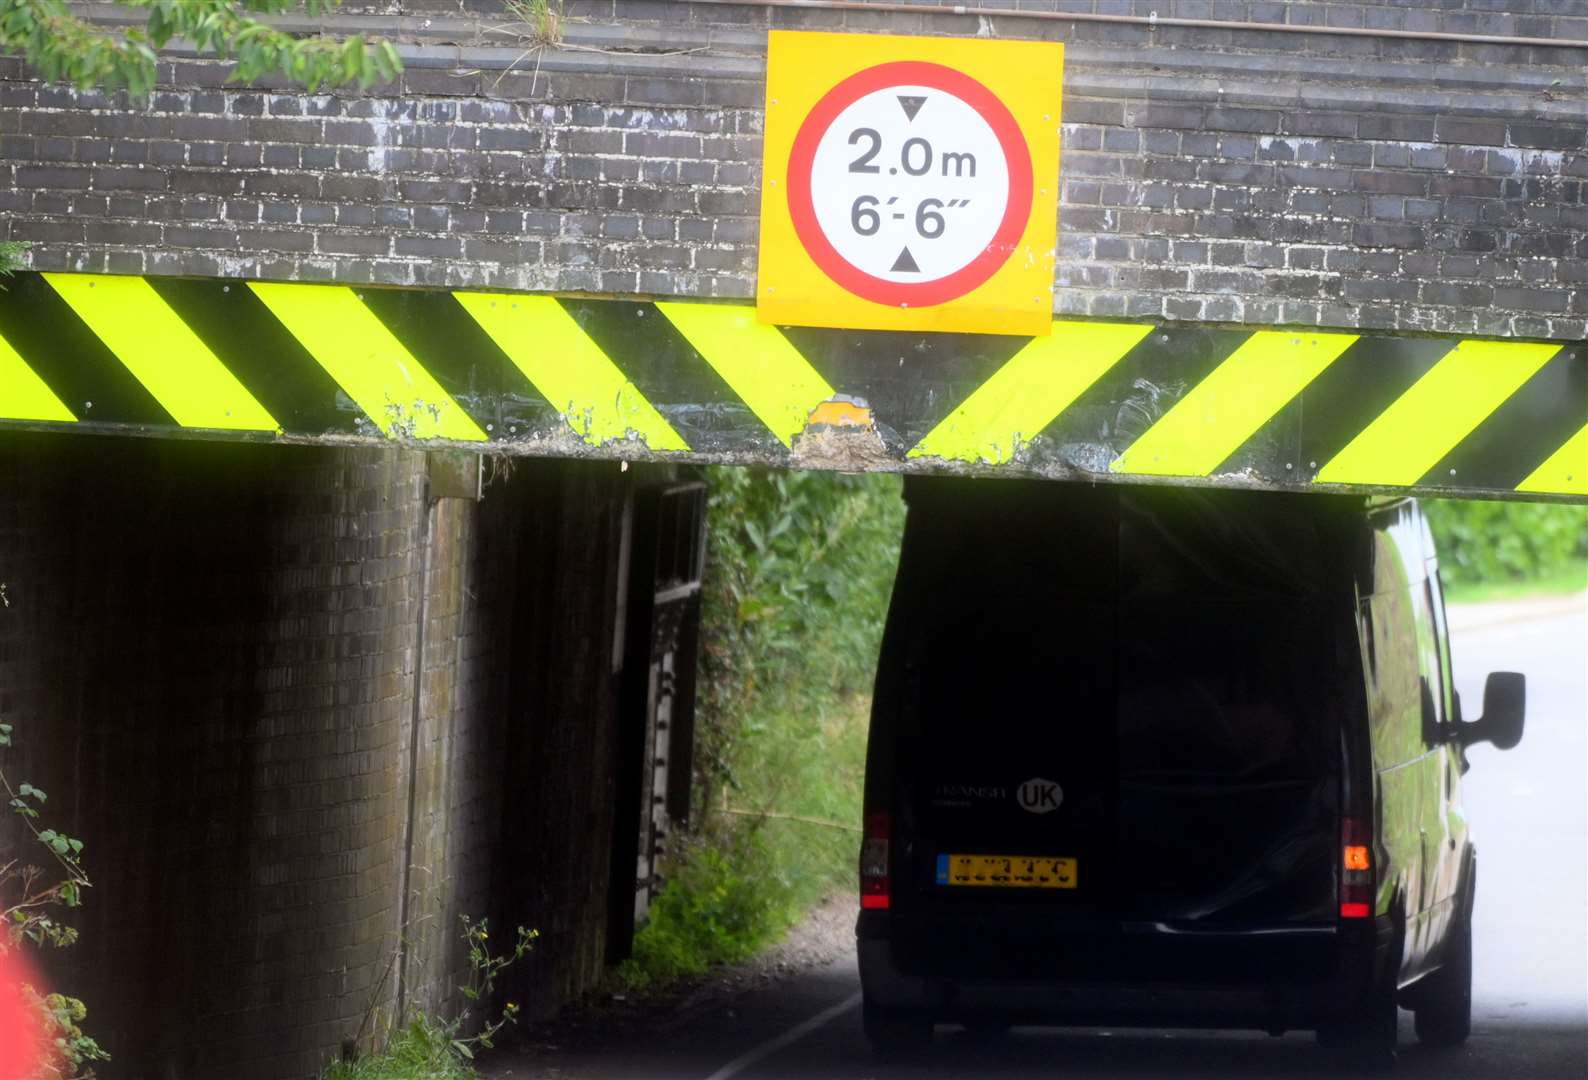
column 912, row 105
column 905, row 263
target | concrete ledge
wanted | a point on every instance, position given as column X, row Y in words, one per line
column 1202, row 79
column 492, row 41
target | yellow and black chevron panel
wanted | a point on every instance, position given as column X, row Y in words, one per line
column 514, row 373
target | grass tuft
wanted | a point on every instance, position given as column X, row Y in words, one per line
column 420, row 1051
column 543, row 18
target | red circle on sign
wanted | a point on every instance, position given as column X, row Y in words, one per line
column 1017, row 211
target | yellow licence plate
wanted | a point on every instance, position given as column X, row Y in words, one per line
column 1006, row 871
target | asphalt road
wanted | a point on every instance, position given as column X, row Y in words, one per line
column 1529, row 807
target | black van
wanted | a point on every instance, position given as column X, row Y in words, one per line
column 1168, row 757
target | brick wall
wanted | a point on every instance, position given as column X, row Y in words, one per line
column 557, row 835
column 1208, row 174
column 516, row 780
column 209, row 660
column 213, row 648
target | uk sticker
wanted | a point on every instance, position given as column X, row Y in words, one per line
column 1039, row 796
column 910, row 183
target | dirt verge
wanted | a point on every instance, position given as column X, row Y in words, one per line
column 826, row 934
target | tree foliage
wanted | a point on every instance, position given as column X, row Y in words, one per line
column 799, row 568
column 63, row 46
column 13, row 257
column 1485, row 542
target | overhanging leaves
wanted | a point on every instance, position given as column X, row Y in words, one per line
column 65, row 47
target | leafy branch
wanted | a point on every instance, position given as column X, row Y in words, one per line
column 65, row 47
column 13, row 257
column 29, row 891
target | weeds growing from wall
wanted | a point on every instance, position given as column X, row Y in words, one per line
column 799, row 568
column 430, row 1047
column 542, row 19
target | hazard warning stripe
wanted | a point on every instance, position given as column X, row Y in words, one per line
column 1440, row 409
column 1036, row 385
column 1565, row 472
column 375, row 369
column 159, row 349
column 1226, row 408
column 767, row 372
column 23, row 395
column 570, row 370
column 1283, row 409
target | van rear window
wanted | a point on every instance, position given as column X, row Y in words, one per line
column 1192, row 629
column 1229, row 691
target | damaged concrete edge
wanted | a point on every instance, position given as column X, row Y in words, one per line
column 818, row 451
column 631, row 421
column 841, row 435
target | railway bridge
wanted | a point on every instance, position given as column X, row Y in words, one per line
column 368, row 603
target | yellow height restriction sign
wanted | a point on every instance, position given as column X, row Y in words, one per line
column 910, row 183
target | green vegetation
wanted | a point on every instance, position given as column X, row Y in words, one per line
column 1496, row 550
column 1569, row 577
column 63, row 46
column 416, row 1052
column 798, row 573
column 426, row 1047
column 542, row 18
column 13, row 257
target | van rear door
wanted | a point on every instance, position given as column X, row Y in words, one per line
column 1116, row 707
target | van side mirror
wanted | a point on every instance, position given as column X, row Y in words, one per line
column 1504, row 706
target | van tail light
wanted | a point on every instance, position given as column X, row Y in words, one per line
column 1356, row 869
column 875, row 887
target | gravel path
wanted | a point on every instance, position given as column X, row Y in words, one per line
column 824, row 935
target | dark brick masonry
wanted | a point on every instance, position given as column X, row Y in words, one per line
column 209, row 657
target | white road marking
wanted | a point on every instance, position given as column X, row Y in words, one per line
column 792, row 1035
